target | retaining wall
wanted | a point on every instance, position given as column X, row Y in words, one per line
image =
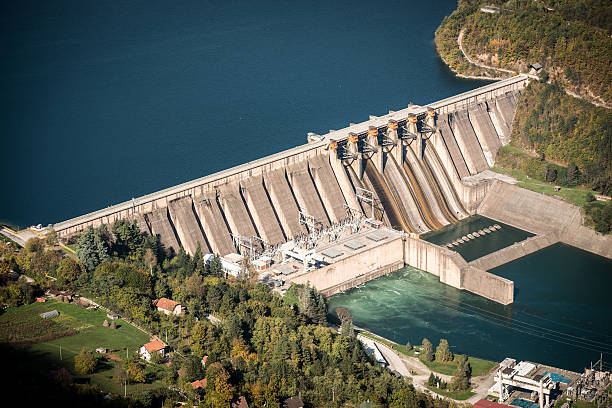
column 455, row 271
column 542, row 214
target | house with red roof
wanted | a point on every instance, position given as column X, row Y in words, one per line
column 199, row 384
column 168, row 306
column 155, row 346
column 489, row 404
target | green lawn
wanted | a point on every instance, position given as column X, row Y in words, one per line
column 479, row 366
column 90, row 334
column 458, row 395
column 575, row 195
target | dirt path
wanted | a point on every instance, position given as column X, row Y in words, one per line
column 414, row 368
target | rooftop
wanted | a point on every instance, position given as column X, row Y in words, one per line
column 155, row 345
column 166, row 304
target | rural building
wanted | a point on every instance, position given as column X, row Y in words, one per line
column 240, row 403
column 489, row 404
column 61, row 295
column 156, row 346
column 293, row 402
column 112, row 316
column 199, row 384
column 168, row 306
column 49, row 315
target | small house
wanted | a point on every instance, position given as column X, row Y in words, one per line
column 199, row 384
column 112, row 316
column 155, row 346
column 204, row 361
column 167, row 306
column 293, row 402
column 240, row 403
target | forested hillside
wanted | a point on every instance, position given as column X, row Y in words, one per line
column 259, row 345
column 571, row 39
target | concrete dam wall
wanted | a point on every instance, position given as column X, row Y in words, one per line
column 410, row 162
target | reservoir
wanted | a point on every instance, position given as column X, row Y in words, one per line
column 561, row 314
column 105, row 101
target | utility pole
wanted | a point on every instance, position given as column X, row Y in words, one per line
column 166, row 336
column 127, row 353
column 125, row 389
column 333, row 393
column 61, row 353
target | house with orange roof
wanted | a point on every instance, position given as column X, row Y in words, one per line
column 168, row 306
column 155, row 346
column 199, row 384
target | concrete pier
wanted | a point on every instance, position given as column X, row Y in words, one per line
column 160, row 226
column 261, row 210
column 142, row 224
column 456, row 157
column 485, row 131
column 328, row 188
column 444, row 182
column 284, row 203
column 187, row 226
column 236, row 213
column 213, row 224
column 515, row 251
column 468, row 142
column 348, row 191
column 407, row 197
column 306, row 193
column 427, row 188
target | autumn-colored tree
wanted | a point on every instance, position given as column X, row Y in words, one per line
column 85, row 362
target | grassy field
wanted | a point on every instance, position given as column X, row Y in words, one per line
column 81, row 328
column 575, row 195
column 458, row 395
column 479, row 366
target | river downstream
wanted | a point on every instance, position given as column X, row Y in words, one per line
column 561, row 314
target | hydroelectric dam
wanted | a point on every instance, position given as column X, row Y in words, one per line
column 396, row 176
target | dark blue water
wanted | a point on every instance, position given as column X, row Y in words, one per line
column 108, row 100
column 561, row 314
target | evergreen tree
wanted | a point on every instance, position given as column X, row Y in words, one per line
column 443, row 353
column 92, row 248
column 428, row 352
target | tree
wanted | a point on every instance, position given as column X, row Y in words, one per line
column 150, row 259
column 550, row 173
column 129, row 240
column 192, row 368
column 347, row 328
column 214, row 267
column 51, row 237
column 92, row 248
column 85, row 362
column 408, row 346
column 34, row 245
column 428, row 353
column 343, row 314
column 443, row 353
column 134, row 371
column 461, row 376
column 69, row 269
column 590, row 197
column 573, row 174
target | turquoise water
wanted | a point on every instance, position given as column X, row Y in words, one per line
column 103, row 101
column 561, row 314
column 482, row 245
